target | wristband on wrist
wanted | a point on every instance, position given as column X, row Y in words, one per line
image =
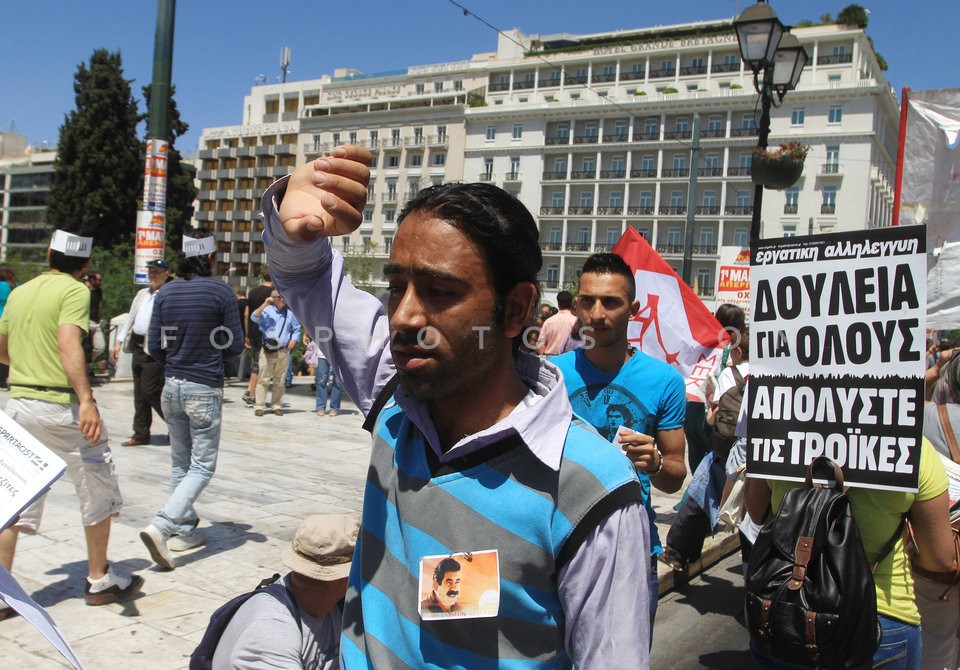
column 656, row 472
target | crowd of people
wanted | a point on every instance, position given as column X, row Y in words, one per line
column 508, row 515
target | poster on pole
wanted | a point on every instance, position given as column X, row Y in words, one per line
column 837, row 356
column 733, row 278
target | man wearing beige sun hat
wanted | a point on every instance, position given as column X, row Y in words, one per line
column 264, row 633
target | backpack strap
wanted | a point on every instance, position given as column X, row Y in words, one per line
column 888, row 547
column 382, row 399
column 948, row 433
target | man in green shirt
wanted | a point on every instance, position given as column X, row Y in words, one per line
column 41, row 331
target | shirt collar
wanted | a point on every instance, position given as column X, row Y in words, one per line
column 541, row 419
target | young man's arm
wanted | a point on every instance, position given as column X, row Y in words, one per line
column 74, row 363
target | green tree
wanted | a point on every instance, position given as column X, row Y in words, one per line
column 98, row 165
column 116, row 266
column 853, row 15
column 180, row 189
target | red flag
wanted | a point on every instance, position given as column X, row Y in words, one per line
column 673, row 324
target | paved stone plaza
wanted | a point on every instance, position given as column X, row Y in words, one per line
column 272, row 472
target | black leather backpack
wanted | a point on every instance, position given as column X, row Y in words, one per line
column 810, row 596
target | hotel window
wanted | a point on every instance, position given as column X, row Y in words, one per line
column 353, row 137
column 674, row 237
column 613, row 234
column 556, row 200
column 710, row 198
column 553, row 274
column 589, row 166
column 746, row 158
column 517, row 131
column 620, row 129
column 644, row 232
column 835, row 114
column 438, row 87
column 840, row 50
column 608, row 72
column 420, row 89
column 715, row 123
column 706, row 236
column 829, row 199
column 393, row 161
column 553, row 79
column 730, row 59
column 792, row 197
column 679, row 161
column 441, row 133
column 743, row 198
column 416, row 160
column 374, row 136
column 491, row 132
column 796, row 116
column 697, row 63
column 648, row 163
column 646, row 198
column 833, row 154
column 389, row 214
column 336, row 139
column 418, row 135
column 488, row 167
column 368, row 215
column 616, row 199
column 651, row 126
column 789, row 230
column 395, row 137
column 741, row 237
column 440, row 159
column 590, row 130
column 704, row 279
column 560, row 166
column 676, row 198
column 387, row 243
column 711, row 160
column 748, row 121
column 617, row 164
column 682, row 125
column 583, row 235
column 514, row 166
column 555, row 235
column 586, row 199
column 457, row 84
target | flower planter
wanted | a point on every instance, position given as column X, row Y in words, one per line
column 778, row 173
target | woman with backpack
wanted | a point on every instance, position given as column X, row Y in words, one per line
column 879, row 516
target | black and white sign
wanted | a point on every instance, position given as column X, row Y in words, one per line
column 837, row 355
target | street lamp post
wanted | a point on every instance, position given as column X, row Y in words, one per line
column 776, row 59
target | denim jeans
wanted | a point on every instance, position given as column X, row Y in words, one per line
column 323, row 373
column 899, row 650
column 192, row 412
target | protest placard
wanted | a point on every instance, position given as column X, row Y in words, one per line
column 27, row 469
column 837, row 355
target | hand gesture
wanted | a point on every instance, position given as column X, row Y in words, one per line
column 640, row 449
column 325, row 197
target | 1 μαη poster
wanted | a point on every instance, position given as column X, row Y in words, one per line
column 836, row 355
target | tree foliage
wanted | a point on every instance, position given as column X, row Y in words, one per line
column 180, row 188
column 853, row 15
column 99, row 165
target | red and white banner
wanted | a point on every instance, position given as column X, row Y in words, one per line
column 673, row 324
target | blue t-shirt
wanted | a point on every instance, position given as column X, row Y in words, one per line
column 646, row 395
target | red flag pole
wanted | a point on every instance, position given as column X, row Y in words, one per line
column 898, row 179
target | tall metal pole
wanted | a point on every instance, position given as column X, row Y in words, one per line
column 763, row 133
column 152, row 218
column 691, row 211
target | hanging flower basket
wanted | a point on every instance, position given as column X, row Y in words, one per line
column 780, row 168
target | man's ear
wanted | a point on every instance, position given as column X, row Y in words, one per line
column 517, row 308
column 634, row 308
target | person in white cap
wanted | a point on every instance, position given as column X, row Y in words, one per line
column 263, row 633
column 41, row 330
column 194, row 328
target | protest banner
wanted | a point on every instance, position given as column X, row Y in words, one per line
column 733, row 278
column 837, row 355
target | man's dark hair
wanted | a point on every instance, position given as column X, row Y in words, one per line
column 265, row 273
column 622, row 410
column 731, row 316
column 611, row 264
column 189, row 267
column 66, row 264
column 496, row 222
column 564, row 300
column 443, row 567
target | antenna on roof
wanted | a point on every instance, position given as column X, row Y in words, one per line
column 284, row 62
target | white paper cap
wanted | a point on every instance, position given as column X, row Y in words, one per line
column 71, row 245
column 199, row 247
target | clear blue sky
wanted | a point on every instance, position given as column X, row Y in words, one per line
column 221, row 46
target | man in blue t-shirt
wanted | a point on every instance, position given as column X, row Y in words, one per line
column 633, row 400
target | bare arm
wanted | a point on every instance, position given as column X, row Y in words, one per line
column 932, row 535
column 69, row 338
column 641, row 449
column 4, row 352
column 756, row 498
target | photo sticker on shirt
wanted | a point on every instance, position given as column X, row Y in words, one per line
column 463, row 585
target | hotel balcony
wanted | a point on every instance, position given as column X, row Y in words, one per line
column 547, row 176
column 675, row 172
column 835, row 59
column 828, row 208
column 741, row 171
column 641, row 210
column 673, row 210
column 738, row 210
column 613, row 174
column 643, row 173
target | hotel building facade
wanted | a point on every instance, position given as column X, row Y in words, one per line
column 649, row 128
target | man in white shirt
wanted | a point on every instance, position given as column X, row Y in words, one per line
column 147, row 371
